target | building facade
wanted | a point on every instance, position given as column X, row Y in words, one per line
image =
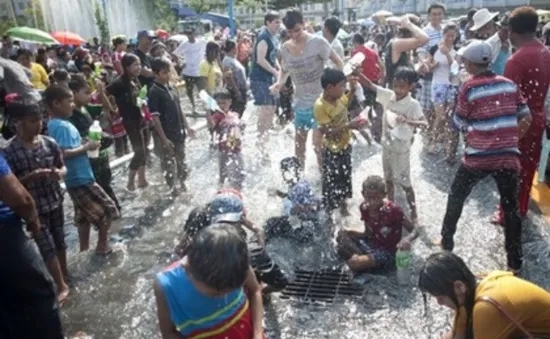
column 9, row 8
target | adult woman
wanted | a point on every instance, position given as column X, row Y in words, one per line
column 39, row 77
column 125, row 89
column 210, row 72
column 303, row 58
column 492, row 308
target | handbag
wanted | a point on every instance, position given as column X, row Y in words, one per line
column 493, row 302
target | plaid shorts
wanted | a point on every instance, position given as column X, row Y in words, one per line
column 425, row 96
column 52, row 237
column 92, row 205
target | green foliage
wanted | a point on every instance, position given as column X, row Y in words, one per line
column 203, row 6
column 32, row 17
column 102, row 24
column 162, row 15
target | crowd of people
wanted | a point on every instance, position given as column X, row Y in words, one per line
column 485, row 79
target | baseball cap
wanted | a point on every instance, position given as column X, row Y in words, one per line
column 146, row 33
column 226, row 206
column 477, row 51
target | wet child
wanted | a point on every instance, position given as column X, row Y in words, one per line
column 374, row 248
column 170, row 125
column 92, row 205
column 402, row 114
column 331, row 113
column 82, row 120
column 212, row 292
column 228, row 130
column 37, row 162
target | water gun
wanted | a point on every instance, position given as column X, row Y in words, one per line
column 142, row 104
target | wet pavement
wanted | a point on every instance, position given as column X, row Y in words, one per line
column 113, row 298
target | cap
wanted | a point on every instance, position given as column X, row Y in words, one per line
column 477, row 51
column 146, row 33
column 226, row 206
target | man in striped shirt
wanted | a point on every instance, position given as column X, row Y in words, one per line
column 494, row 116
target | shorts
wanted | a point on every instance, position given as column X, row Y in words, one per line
column 425, row 95
column 261, row 93
column 304, row 119
column 265, row 269
column 336, row 177
column 190, row 81
column 92, row 205
column 232, row 168
column 52, row 237
column 396, row 162
column 443, row 94
column 382, row 258
column 370, row 96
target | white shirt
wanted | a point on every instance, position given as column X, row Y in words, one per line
column 192, row 53
column 442, row 70
column 338, row 48
column 496, row 45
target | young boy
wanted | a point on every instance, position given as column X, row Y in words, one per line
column 212, row 292
column 92, row 205
column 37, row 162
column 82, row 120
column 170, row 124
column 331, row 113
column 228, row 128
column 374, row 248
column 402, row 114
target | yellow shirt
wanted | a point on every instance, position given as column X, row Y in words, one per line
column 526, row 302
column 213, row 74
column 39, row 77
column 333, row 116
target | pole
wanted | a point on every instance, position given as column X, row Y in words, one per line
column 232, row 30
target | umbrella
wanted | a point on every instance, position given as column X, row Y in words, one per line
column 383, row 13
column 68, row 38
column 179, row 38
column 31, row 35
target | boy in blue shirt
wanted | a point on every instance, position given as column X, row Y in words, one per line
column 91, row 204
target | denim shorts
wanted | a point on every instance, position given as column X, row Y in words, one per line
column 304, row 119
column 382, row 258
column 262, row 95
column 443, row 94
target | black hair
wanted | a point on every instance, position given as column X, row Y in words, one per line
column 332, row 77
column 222, row 94
column 524, row 20
column 23, row 106
column 374, row 183
column 24, row 52
column 229, row 46
column 118, row 41
column 128, row 60
column 212, row 51
column 159, row 64
column 438, row 276
column 218, row 257
column 270, row 16
column 78, row 83
column 407, row 74
column 198, row 218
column 292, row 18
column 471, row 13
column 358, row 39
column 60, row 75
column 157, row 45
column 333, row 25
column 55, row 93
column 293, row 165
column 436, row 5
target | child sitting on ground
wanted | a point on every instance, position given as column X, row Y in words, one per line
column 374, row 248
column 212, row 292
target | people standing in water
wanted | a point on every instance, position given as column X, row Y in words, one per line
column 501, row 306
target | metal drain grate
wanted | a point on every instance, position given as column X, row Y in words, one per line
column 324, row 286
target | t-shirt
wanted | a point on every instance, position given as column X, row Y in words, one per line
column 334, row 115
column 386, row 230
column 164, row 102
column 435, row 37
column 499, row 65
column 526, row 302
column 79, row 170
column 338, row 48
column 7, row 215
column 408, row 107
column 370, row 67
column 213, row 74
column 306, row 70
column 442, row 71
column 229, row 129
column 257, row 72
column 39, row 76
column 192, row 53
column 239, row 73
column 125, row 93
column 145, row 60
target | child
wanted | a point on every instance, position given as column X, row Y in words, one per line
column 374, row 248
column 170, row 124
column 61, row 77
column 212, row 292
column 228, row 128
column 402, row 114
column 236, row 78
column 92, row 205
column 331, row 113
column 37, row 161
column 82, row 120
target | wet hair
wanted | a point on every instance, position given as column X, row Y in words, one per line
column 438, row 276
column 358, row 39
column 292, row 18
column 118, row 41
column 128, row 60
column 292, row 164
column 60, row 75
column 524, row 20
column 471, row 14
column 218, row 257
column 333, row 25
column 436, row 6
column 23, row 106
column 332, row 77
column 407, row 74
column 222, row 94
column 159, row 64
column 55, row 93
column 78, row 83
column 212, row 51
column 270, row 16
column 198, row 218
column 374, row 183
column 24, row 52
column 229, row 46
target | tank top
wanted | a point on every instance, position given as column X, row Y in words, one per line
column 404, row 60
column 196, row 316
column 257, row 72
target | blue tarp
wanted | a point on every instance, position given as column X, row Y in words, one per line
column 222, row 20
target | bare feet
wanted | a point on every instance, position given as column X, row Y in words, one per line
column 131, row 187
column 143, row 184
column 63, row 295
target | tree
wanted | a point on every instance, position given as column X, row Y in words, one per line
column 102, row 24
column 162, row 15
column 203, row 6
column 33, row 16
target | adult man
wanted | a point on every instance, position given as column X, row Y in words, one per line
column 192, row 52
column 145, row 40
column 330, row 31
column 264, row 73
column 502, row 48
column 484, row 24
